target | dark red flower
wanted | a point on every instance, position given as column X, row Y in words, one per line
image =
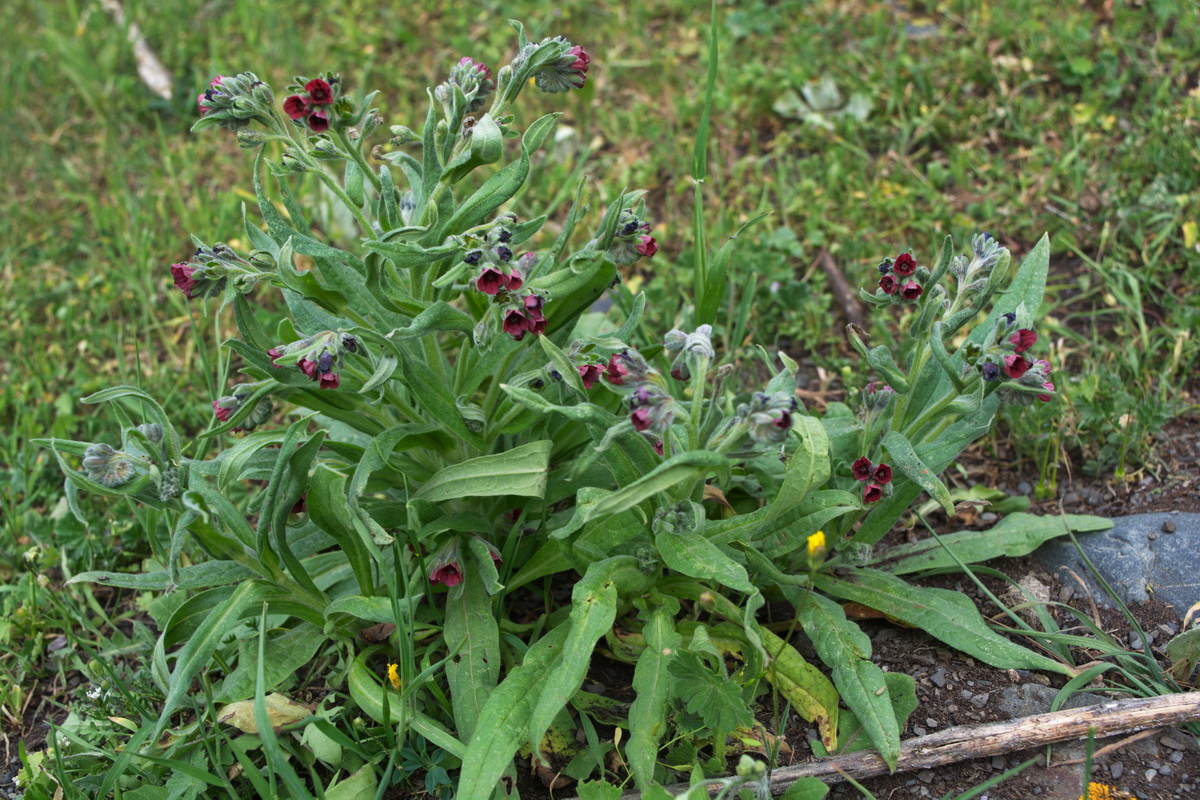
column 861, row 469
column 648, row 246
column 888, row 284
column 883, row 474
column 200, row 98
column 1023, row 339
column 904, row 265
column 1046, row 398
column 785, row 421
column 223, row 414
column 534, row 302
column 640, row 419
column 308, row 367
column 590, row 373
column 1015, row 366
column 301, row 505
column 515, row 281
column 658, row 447
column 319, row 92
column 580, row 65
column 182, row 275
column 275, row 353
column 615, row 372
column 872, row 493
column 491, row 281
column 516, row 324
column 911, row 290
column 330, row 380
column 318, row 121
column 681, row 373
column 449, row 574
column 295, row 106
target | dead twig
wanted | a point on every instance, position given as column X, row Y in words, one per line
column 967, row 742
column 842, row 290
column 149, row 68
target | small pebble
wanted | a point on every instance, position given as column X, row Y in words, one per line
column 1176, row 757
column 1165, row 769
column 1174, row 744
column 988, row 517
column 1116, row 769
column 1152, row 536
column 1024, row 487
column 931, row 722
column 1071, row 499
column 925, row 776
column 998, row 763
column 939, row 678
column 918, row 730
column 1151, row 774
column 980, row 700
column 1168, row 526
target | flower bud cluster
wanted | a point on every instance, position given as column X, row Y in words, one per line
column 235, row 101
column 560, row 72
column 632, row 239
column 475, row 80
column 695, row 351
column 876, row 479
column 768, row 416
column 210, row 268
column 319, row 357
column 311, row 107
column 225, row 407
column 877, row 396
column 898, row 279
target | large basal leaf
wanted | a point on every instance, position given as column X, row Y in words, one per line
column 593, row 609
column 504, row 722
column 946, row 615
column 472, row 634
column 684, row 466
column 1016, row 535
column 697, row 557
column 807, row 465
column 520, row 471
column 846, row 650
column 285, row 653
column 367, row 692
column 651, row 684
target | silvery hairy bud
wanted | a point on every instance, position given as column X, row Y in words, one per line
column 402, row 134
column 106, row 466
column 248, row 139
column 768, row 416
column 695, row 351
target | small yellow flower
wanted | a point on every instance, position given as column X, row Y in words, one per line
column 816, row 544
column 1099, row 791
column 394, row 675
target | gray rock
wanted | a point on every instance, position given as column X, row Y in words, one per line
column 980, row 700
column 1129, row 559
column 1024, row 487
column 1033, row 698
column 998, row 763
column 939, row 678
column 925, row 776
column 1116, row 769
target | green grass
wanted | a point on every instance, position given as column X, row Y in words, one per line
column 1016, row 117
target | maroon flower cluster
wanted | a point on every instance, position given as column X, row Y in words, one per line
column 1015, row 366
column 445, row 568
column 632, row 239
column 616, row 371
column 874, row 477
column 897, row 277
column 525, row 318
column 310, row 105
column 590, row 374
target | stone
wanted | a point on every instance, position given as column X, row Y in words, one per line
column 1025, row 487
column 1033, row 698
column 1168, row 526
column 980, row 700
column 1172, row 743
column 925, row 776
column 1129, row 560
column 998, row 763
column 1116, row 769
column 939, row 678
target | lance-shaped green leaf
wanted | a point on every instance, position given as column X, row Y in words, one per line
column 593, row 609
column 331, row 512
column 196, row 576
column 171, row 438
column 846, row 650
column 285, row 653
column 681, row 467
column 197, row 651
column 438, row 317
column 1017, row 534
column 372, row 609
column 910, row 464
column 946, row 615
column 651, row 685
column 504, row 723
column 697, row 557
column 471, row 630
column 368, row 692
column 807, row 465
column 714, row 286
column 520, row 471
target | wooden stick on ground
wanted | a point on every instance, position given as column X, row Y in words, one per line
column 846, row 295
column 966, row 742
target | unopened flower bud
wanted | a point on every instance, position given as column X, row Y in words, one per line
column 107, row 466
column 249, row 139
